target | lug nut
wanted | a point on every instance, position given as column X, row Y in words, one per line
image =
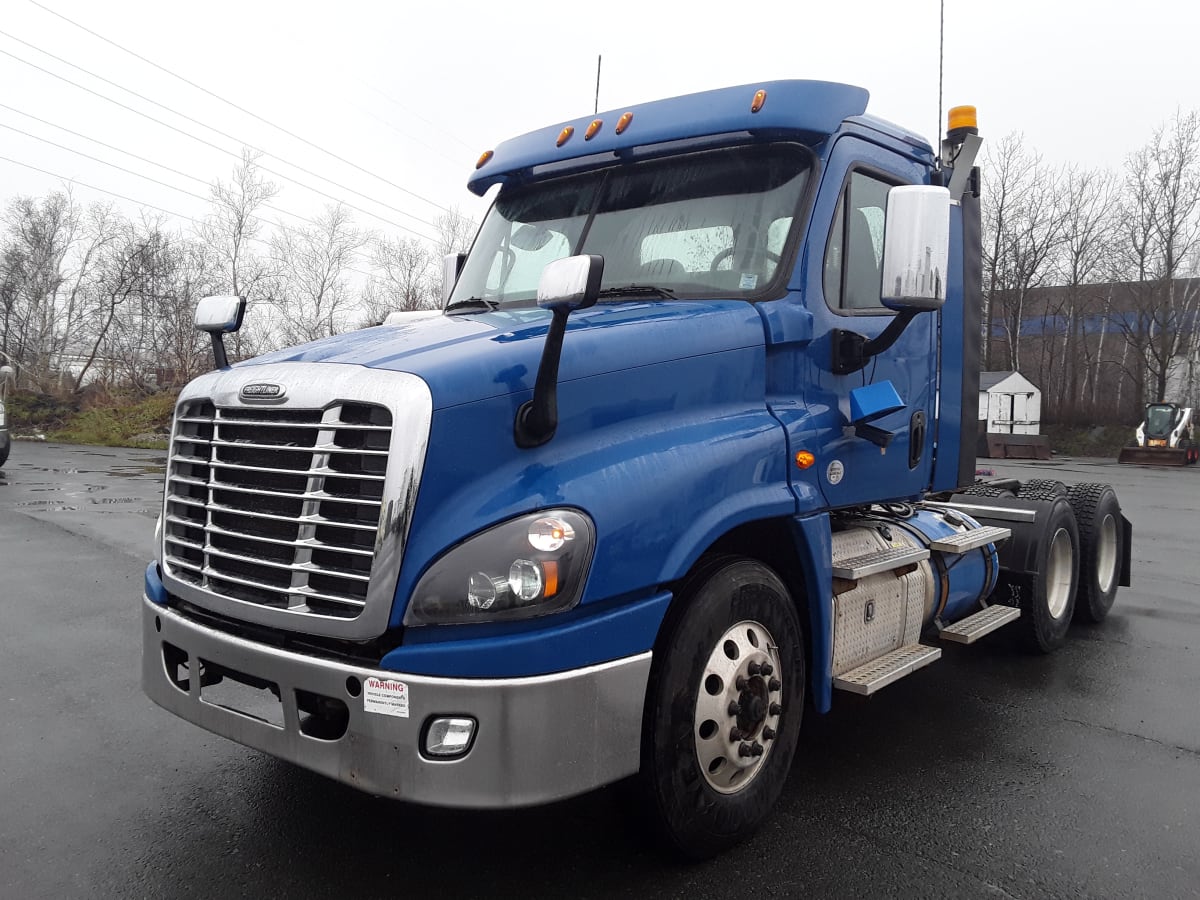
column 767, row 669
column 776, row 709
column 735, row 708
column 768, row 733
column 774, row 684
column 756, row 749
column 740, row 683
column 754, row 668
column 745, row 751
column 735, row 734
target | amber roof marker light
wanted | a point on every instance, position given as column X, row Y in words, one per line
column 484, row 157
column 760, row 97
column 623, row 122
column 592, row 129
column 564, row 136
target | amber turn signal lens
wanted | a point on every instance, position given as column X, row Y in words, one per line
column 804, row 459
column 592, row 129
column 623, row 122
column 550, row 578
column 564, row 135
column 760, row 97
column 487, row 154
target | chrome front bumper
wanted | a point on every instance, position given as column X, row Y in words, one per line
column 536, row 740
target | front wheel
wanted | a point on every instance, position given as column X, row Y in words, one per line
column 723, row 707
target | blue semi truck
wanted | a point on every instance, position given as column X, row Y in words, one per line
column 689, row 449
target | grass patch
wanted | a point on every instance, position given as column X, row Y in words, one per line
column 1098, row 440
column 109, row 422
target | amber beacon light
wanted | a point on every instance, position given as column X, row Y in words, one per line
column 960, row 122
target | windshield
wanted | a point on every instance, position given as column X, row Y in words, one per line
column 1160, row 419
column 705, row 224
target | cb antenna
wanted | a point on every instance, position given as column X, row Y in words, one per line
column 937, row 132
column 596, row 108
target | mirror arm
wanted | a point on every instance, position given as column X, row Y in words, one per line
column 852, row 351
column 218, row 349
column 537, row 419
column 888, row 336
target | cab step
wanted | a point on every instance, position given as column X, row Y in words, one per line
column 857, row 567
column 879, row 673
column 973, row 627
column 969, row 540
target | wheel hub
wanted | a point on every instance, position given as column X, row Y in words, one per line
column 738, row 707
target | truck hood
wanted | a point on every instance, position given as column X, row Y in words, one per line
column 471, row 357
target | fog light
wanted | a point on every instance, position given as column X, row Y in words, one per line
column 446, row 738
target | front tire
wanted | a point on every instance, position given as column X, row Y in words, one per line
column 723, row 707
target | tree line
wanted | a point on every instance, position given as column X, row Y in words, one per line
column 1090, row 283
column 90, row 294
column 1090, row 278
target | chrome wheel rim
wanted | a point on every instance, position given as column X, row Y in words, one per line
column 1106, row 553
column 738, row 707
column 1058, row 573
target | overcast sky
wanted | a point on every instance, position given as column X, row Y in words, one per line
column 409, row 94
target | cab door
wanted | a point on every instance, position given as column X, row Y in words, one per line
column 842, row 288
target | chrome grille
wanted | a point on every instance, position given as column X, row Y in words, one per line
column 277, row 507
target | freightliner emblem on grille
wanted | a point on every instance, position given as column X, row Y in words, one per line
column 260, row 390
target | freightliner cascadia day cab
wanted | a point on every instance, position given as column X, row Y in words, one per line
column 689, row 448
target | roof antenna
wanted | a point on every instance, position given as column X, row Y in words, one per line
column 596, row 108
column 937, row 132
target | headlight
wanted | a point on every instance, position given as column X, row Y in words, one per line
column 531, row 566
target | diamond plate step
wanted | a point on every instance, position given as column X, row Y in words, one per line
column 973, row 627
column 893, row 666
column 969, row 540
column 883, row 561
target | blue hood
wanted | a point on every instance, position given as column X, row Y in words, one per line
column 464, row 358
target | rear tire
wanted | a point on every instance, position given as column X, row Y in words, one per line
column 1041, row 489
column 1101, row 538
column 708, row 698
column 1047, row 609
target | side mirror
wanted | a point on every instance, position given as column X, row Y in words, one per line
column 452, row 264
column 571, row 283
column 916, row 247
column 220, row 315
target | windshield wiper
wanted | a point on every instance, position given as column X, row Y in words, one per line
column 473, row 303
column 639, row 290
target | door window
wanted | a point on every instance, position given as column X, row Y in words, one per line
column 854, row 254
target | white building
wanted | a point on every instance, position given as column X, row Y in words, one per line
column 1010, row 403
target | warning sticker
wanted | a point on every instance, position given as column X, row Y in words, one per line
column 382, row 695
column 749, row 281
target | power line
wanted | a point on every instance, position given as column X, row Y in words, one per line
column 101, row 143
column 230, row 103
column 218, row 131
column 177, row 215
column 112, row 165
column 211, row 144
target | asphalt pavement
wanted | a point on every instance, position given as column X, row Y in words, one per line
column 990, row 773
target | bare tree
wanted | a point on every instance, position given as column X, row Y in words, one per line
column 230, row 232
column 404, row 278
column 1159, row 250
column 1023, row 225
column 314, row 297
